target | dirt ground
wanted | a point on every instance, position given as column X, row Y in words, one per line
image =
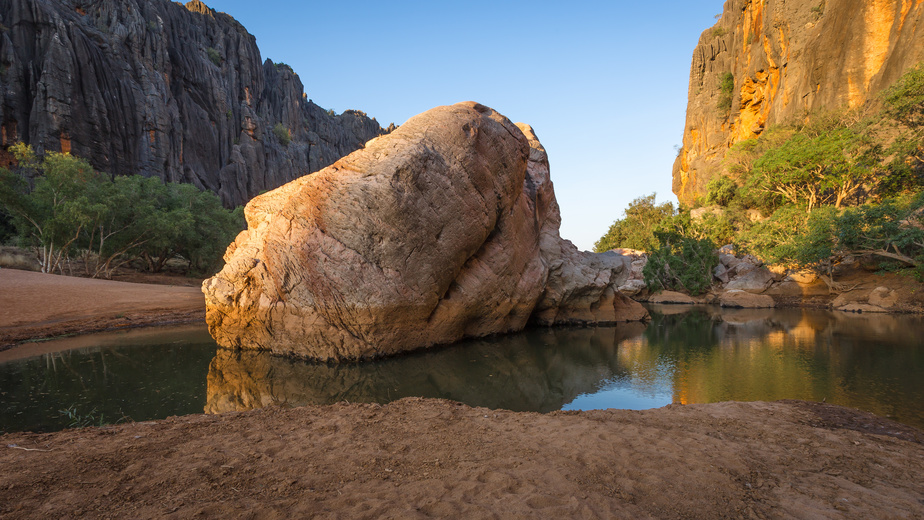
column 35, row 305
column 419, row 458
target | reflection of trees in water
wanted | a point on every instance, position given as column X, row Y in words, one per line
column 865, row 361
column 537, row 370
column 124, row 376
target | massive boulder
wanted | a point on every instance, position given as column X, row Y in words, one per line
column 156, row 88
column 444, row 229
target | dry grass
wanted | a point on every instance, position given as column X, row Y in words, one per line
column 18, row 258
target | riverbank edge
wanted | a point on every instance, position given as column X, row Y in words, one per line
column 417, row 458
column 22, row 336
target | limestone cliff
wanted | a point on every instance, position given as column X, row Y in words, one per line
column 156, row 88
column 788, row 59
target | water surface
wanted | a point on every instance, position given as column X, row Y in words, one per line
column 685, row 355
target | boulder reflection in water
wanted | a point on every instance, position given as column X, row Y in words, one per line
column 536, row 370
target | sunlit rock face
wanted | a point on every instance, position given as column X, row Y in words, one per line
column 788, row 59
column 444, row 229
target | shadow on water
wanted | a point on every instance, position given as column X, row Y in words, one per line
column 684, row 355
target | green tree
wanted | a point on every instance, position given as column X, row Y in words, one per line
column 52, row 215
column 210, row 228
column 636, row 229
column 111, row 222
column 814, row 170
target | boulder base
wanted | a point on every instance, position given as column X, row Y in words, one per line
column 744, row 299
column 671, row 297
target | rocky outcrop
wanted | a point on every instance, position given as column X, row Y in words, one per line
column 151, row 87
column 671, row 297
column 444, row 229
column 786, row 60
column 747, row 300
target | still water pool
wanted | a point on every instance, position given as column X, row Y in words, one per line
column 684, row 355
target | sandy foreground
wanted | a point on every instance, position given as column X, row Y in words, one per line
column 419, row 458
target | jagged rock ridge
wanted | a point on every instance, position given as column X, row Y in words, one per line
column 155, row 88
column 788, row 59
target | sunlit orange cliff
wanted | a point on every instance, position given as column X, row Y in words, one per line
column 788, row 60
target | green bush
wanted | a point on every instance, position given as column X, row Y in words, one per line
column 214, row 56
column 720, row 229
column 7, row 231
column 726, row 92
column 904, row 101
column 721, row 191
column 681, row 263
column 282, row 133
column 718, row 32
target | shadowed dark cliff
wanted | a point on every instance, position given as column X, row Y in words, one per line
column 155, row 88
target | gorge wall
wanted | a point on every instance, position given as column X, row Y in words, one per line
column 156, row 88
column 788, row 59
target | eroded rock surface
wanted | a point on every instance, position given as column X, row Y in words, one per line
column 788, row 59
column 744, row 299
column 444, row 229
column 164, row 90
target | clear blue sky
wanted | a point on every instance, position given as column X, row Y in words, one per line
column 603, row 83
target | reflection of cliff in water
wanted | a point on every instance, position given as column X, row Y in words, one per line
column 871, row 362
column 536, row 370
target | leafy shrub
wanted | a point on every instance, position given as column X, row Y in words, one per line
column 282, row 133
column 681, row 263
column 721, row 191
column 904, row 101
column 774, row 239
column 7, row 230
column 214, row 56
column 718, row 32
column 726, row 91
column 720, row 229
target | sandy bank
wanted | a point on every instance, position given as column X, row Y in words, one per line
column 418, row 458
column 36, row 305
